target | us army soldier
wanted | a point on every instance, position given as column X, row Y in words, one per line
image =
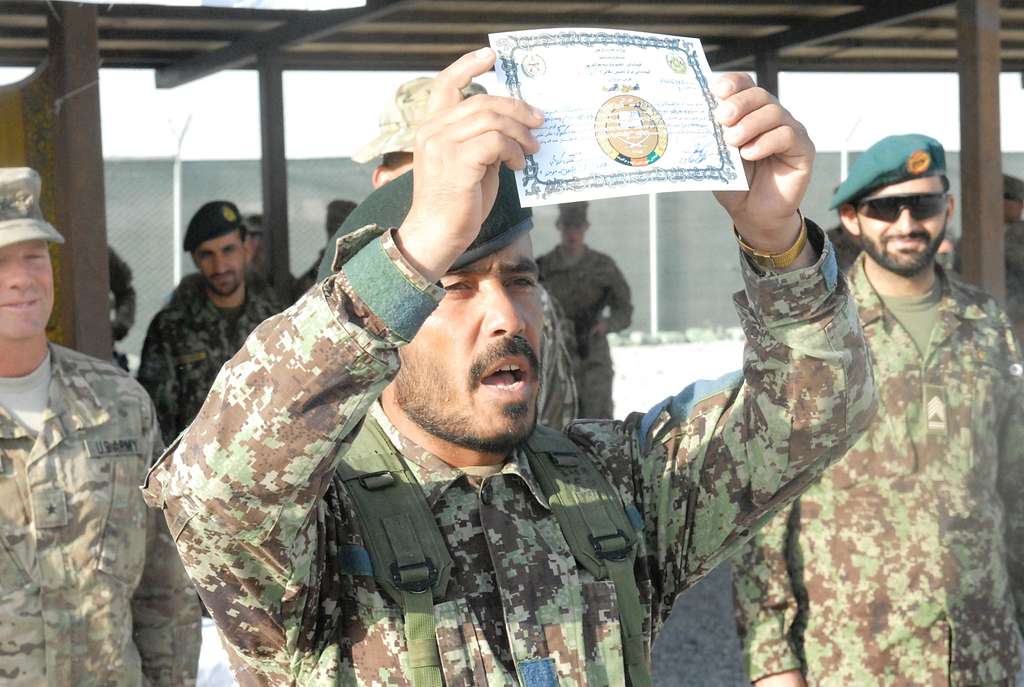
column 92, row 589
column 585, row 283
column 454, row 562
column 905, row 564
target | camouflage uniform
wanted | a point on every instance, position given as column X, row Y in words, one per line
column 584, row 288
column 271, row 539
column 1015, row 276
column 186, row 345
column 92, row 590
column 905, row 564
column 557, row 403
column 847, row 247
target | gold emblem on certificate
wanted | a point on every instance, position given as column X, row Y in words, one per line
column 631, row 131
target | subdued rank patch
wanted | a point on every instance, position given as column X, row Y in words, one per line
column 936, row 414
column 99, row 448
column 49, row 508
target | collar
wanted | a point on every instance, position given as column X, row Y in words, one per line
column 436, row 476
column 955, row 303
column 71, row 399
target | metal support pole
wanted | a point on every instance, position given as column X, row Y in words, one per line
column 766, row 67
column 981, row 180
column 652, row 215
column 275, row 174
column 81, row 199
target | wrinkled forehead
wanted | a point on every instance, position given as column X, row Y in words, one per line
column 19, row 247
column 516, row 257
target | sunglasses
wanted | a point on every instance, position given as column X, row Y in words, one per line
column 888, row 208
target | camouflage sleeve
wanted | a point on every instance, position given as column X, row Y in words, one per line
column 620, row 302
column 765, row 603
column 241, row 488
column 165, row 609
column 157, row 376
column 1011, row 473
column 720, row 458
column 557, row 403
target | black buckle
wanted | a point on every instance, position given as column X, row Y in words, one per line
column 419, row 583
column 377, row 480
column 612, row 554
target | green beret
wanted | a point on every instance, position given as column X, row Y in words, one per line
column 388, row 205
column 892, row 160
column 216, row 218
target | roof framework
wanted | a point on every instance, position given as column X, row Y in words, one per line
column 185, row 43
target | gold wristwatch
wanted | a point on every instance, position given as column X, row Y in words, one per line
column 776, row 261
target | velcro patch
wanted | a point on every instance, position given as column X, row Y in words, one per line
column 49, row 507
column 101, row 448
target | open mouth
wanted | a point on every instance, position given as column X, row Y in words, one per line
column 506, row 375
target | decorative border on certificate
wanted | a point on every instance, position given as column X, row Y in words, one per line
column 514, row 52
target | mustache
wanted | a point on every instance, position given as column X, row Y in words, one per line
column 511, row 345
column 919, row 235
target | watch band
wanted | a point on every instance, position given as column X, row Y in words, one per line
column 776, row 261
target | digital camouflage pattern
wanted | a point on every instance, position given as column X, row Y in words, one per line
column 557, row 404
column 271, row 540
column 91, row 588
column 186, row 345
column 904, row 565
column 584, row 288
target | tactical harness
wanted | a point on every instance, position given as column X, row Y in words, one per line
column 411, row 562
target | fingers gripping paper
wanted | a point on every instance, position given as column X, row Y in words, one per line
column 626, row 113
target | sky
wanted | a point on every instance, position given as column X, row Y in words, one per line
column 331, row 114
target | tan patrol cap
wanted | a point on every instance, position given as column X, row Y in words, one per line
column 1013, row 188
column 398, row 123
column 20, row 217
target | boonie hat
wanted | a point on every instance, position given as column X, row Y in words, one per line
column 399, row 122
column 389, row 204
column 892, row 160
column 213, row 219
column 20, row 216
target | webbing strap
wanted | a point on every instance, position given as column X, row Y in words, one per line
column 598, row 531
column 421, row 639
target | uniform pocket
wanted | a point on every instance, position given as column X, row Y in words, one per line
column 123, row 547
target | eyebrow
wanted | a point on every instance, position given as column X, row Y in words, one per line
column 528, row 265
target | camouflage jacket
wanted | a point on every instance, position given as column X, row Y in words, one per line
column 584, row 289
column 92, row 590
column 186, row 345
column 272, row 542
column 904, row 565
column 558, row 403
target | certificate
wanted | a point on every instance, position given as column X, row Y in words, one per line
column 625, row 113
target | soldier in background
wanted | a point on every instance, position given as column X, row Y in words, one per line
column 337, row 211
column 558, row 402
column 595, row 297
column 206, row 321
column 92, row 591
column 122, row 304
column 905, row 564
column 1013, row 204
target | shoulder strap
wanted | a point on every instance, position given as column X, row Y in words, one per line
column 411, row 562
column 598, row 531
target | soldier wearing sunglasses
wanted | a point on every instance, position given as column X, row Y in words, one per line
column 905, row 564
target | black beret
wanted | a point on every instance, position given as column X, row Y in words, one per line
column 216, row 218
column 388, row 205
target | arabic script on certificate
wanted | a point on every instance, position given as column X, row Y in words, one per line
column 625, row 113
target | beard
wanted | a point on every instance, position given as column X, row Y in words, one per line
column 903, row 264
column 432, row 400
column 227, row 287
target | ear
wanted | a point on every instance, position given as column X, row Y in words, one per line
column 381, row 175
column 249, row 247
column 194, row 260
column 949, row 210
column 848, row 216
